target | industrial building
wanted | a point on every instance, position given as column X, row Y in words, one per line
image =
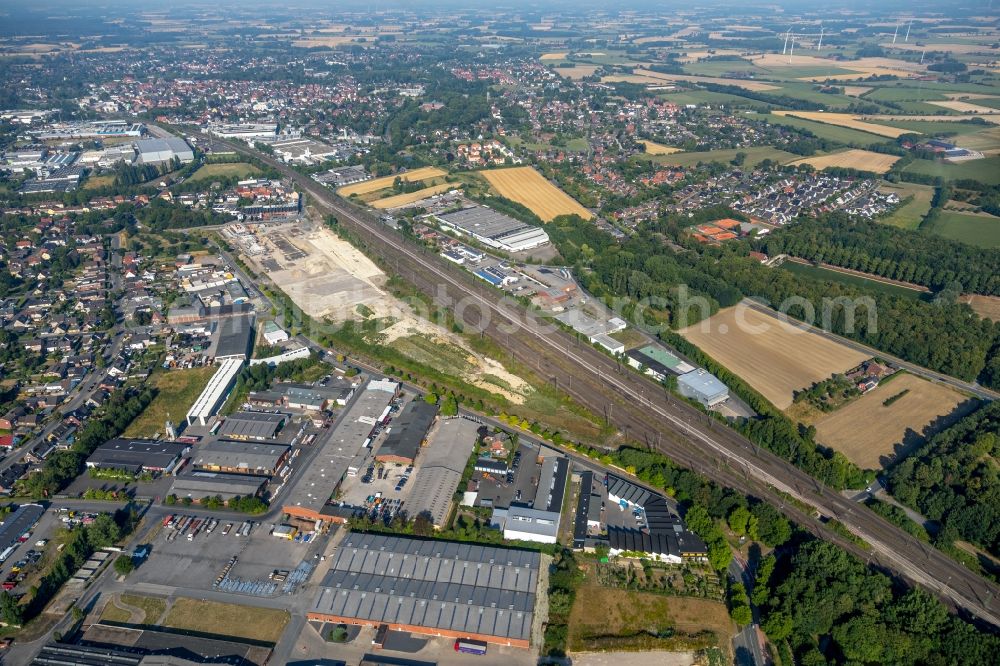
column 244, row 130
column 458, row 590
column 345, row 447
column 656, row 362
column 215, row 392
column 249, row 458
column 704, row 387
column 138, row 455
column 408, row 432
column 493, row 229
column 672, row 547
column 441, row 466
column 19, row 522
column 257, row 426
column 157, row 151
column 302, row 150
column 537, row 518
column 197, row 485
column 233, row 337
column 274, row 333
column 307, row 397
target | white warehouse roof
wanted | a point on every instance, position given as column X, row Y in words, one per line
column 215, row 391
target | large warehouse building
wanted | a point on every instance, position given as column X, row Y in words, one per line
column 494, row 229
column 459, row 590
column 253, row 458
column 215, row 393
column 157, row 151
column 138, row 455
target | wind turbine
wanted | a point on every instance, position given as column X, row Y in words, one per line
column 791, row 50
column 785, row 47
column 908, row 26
column 894, row 34
column 821, row 31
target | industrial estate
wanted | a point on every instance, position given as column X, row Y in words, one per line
column 415, row 335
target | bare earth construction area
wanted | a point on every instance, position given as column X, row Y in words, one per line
column 872, row 434
column 772, row 356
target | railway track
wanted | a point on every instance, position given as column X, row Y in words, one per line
column 646, row 414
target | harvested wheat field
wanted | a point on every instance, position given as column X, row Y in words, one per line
column 376, row 184
column 553, row 56
column 756, row 86
column 576, row 72
column 847, row 120
column 965, row 107
column 654, row 148
column 872, row 434
column 774, row 357
column 862, row 160
column 410, row 197
column 855, row 91
column 529, row 188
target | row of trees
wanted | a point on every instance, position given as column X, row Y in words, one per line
column 884, row 250
column 953, row 479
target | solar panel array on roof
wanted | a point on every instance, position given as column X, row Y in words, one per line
column 456, row 587
column 619, row 488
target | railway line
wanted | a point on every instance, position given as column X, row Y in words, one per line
column 646, row 414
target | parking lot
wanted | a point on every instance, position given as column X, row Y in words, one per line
column 207, row 560
column 494, row 491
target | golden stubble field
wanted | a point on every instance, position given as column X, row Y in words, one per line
column 863, row 160
column 774, row 357
column 848, row 120
column 529, row 188
column 376, row 184
column 653, row 148
column 410, row 197
column 871, row 434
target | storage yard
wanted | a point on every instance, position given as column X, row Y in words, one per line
column 873, row 435
column 774, row 357
column 528, row 187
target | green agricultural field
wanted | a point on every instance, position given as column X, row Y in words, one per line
column 176, row 391
column 903, row 94
column 819, row 273
column 978, row 230
column 807, row 92
column 238, row 169
column 710, row 97
column 932, row 127
column 985, row 170
column 720, row 67
column 755, row 155
column 844, row 135
column 911, row 213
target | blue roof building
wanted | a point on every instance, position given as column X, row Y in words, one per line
column 704, row 387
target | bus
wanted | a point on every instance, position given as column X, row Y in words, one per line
column 470, row 646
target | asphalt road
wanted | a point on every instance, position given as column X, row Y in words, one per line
column 645, row 413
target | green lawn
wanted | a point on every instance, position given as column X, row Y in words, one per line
column 227, row 620
column 844, row 135
column 176, row 392
column 820, row 273
column 755, row 155
column 978, row 230
column 910, row 214
column 985, row 170
column 238, row 169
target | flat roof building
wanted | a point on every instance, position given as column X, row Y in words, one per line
column 520, row 523
column 197, row 485
column 234, row 337
column 253, row 458
column 257, row 426
column 704, row 387
column 215, row 392
column 157, row 151
column 441, row 466
column 459, row 590
column 138, row 455
column 19, row 522
column 408, row 433
column 494, row 229
column 657, row 363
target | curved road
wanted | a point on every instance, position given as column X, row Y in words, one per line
column 646, row 414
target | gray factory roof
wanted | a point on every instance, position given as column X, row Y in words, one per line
column 409, row 430
column 551, row 485
column 18, row 523
column 627, row 490
column 679, row 543
column 252, row 425
column 234, row 337
column 199, row 484
column 457, row 587
column 441, row 468
column 249, row 456
column 318, row 480
column 483, row 221
column 137, row 454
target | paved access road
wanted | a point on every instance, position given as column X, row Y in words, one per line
column 645, row 413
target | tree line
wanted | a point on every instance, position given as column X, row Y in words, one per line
column 889, row 252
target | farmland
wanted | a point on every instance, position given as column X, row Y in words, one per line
column 862, row 160
column 410, row 197
column 986, row 170
column 846, row 120
column 843, row 135
column 910, row 214
column 754, row 155
column 654, row 148
column 529, row 188
column 821, row 273
column 872, row 434
column 176, row 391
column 978, row 230
column 376, row 184
column 774, row 357
column 235, row 169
